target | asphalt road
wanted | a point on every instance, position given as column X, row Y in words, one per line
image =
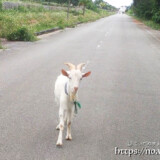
column 120, row 100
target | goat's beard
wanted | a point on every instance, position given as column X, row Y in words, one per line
column 73, row 97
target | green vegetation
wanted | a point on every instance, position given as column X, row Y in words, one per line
column 104, row 5
column 21, row 23
column 21, row 34
column 0, row 5
column 148, row 11
column 148, row 23
column 1, row 45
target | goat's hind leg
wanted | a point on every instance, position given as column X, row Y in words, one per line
column 57, row 128
column 65, row 119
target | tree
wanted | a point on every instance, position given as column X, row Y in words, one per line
column 74, row 2
column 97, row 2
column 104, row 5
column 84, row 3
column 143, row 8
column 148, row 9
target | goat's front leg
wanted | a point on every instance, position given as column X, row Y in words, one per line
column 69, row 117
column 61, row 126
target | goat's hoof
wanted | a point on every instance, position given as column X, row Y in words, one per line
column 59, row 144
column 69, row 138
column 57, row 128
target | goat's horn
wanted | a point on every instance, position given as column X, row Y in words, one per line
column 79, row 66
column 70, row 65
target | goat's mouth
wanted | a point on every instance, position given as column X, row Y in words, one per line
column 74, row 93
column 74, row 90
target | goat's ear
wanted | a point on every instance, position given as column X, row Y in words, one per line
column 86, row 74
column 64, row 73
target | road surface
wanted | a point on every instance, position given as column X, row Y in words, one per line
column 120, row 100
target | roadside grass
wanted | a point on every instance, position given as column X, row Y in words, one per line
column 148, row 23
column 151, row 24
column 28, row 21
column 1, row 46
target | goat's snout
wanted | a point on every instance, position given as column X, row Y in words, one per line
column 75, row 89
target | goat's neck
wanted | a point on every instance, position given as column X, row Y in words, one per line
column 72, row 96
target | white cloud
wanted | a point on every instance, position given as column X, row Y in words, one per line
column 119, row 3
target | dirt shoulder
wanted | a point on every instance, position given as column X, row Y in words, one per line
column 154, row 33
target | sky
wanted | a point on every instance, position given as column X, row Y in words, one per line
column 119, row 3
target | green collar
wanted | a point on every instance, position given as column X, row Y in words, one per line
column 76, row 103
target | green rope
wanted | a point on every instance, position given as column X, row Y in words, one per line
column 76, row 103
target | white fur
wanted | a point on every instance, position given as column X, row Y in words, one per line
column 66, row 102
column 66, row 106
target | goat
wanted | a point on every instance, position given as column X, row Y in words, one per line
column 66, row 87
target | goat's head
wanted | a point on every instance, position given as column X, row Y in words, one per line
column 75, row 75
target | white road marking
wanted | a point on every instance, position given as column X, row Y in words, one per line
column 153, row 35
column 106, row 34
column 99, row 45
column 86, row 65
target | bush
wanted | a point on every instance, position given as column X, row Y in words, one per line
column 143, row 9
column 148, row 15
column 130, row 12
column 30, row 8
column 92, row 7
column 156, row 17
column 22, row 9
column 74, row 12
column 21, row 34
column 61, row 24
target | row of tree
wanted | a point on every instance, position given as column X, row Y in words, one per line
column 100, row 3
column 89, row 4
column 96, row 4
column 148, row 9
column 85, row 3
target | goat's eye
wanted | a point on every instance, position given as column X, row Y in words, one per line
column 69, row 77
column 81, row 79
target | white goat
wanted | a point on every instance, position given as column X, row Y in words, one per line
column 66, row 87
